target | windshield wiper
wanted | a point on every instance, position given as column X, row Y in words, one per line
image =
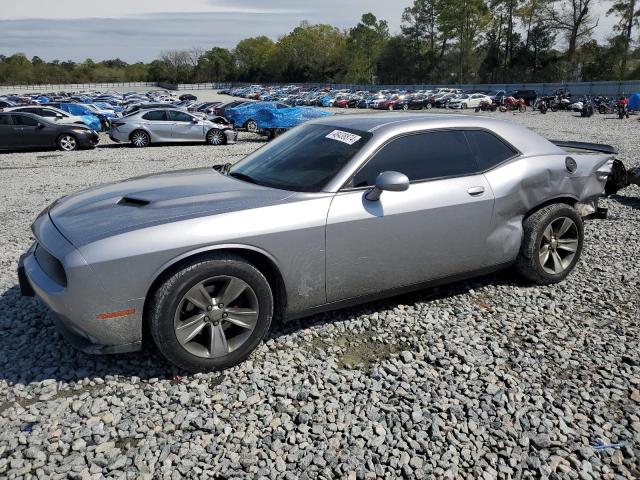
column 244, row 177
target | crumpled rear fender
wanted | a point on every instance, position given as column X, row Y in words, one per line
column 526, row 183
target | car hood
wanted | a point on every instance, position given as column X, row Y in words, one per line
column 142, row 202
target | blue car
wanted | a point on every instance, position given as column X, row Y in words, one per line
column 271, row 118
column 92, row 121
column 257, row 116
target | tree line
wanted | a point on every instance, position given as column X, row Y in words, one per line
column 440, row 41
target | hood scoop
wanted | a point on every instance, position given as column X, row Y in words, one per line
column 133, row 202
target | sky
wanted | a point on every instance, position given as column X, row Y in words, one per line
column 139, row 30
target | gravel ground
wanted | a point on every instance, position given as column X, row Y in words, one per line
column 487, row 378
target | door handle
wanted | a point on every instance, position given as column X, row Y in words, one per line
column 475, row 191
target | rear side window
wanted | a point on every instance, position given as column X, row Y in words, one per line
column 25, row 121
column 421, row 156
column 488, row 150
column 158, row 115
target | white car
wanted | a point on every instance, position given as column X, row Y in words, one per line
column 50, row 113
column 472, row 100
column 103, row 111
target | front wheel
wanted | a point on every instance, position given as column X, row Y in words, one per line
column 212, row 313
column 552, row 243
column 67, row 143
column 216, row 137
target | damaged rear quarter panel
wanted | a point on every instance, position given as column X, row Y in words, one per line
column 525, row 183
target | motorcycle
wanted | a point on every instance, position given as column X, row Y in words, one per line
column 487, row 106
column 587, row 107
column 623, row 110
column 605, row 105
column 541, row 105
column 560, row 102
column 511, row 103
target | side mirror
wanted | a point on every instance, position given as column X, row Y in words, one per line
column 59, row 116
column 388, row 181
column 40, row 126
column 195, row 120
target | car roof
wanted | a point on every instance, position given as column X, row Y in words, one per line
column 391, row 124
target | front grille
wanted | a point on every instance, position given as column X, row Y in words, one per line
column 51, row 266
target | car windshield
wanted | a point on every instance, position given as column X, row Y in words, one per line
column 304, row 159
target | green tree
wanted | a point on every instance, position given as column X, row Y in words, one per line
column 254, row 59
column 364, row 46
column 216, row 65
column 312, row 53
column 628, row 13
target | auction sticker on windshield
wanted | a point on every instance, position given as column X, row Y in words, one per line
column 344, row 137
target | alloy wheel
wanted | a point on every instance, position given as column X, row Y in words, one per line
column 216, row 316
column 216, row 137
column 68, row 143
column 140, row 139
column 252, row 126
column 558, row 245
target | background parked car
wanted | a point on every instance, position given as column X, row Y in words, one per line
column 90, row 119
column 20, row 131
column 49, row 113
column 168, row 126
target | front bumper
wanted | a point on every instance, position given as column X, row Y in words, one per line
column 232, row 136
column 89, row 140
column 83, row 309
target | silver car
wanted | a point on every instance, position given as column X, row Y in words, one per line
column 164, row 125
column 337, row 211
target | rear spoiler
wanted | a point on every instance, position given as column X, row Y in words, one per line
column 594, row 147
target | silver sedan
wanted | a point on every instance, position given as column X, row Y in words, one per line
column 335, row 212
column 145, row 127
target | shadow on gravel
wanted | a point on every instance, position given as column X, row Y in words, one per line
column 32, row 350
column 632, row 202
column 503, row 278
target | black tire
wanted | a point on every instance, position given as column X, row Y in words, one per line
column 252, row 126
column 67, row 142
column 139, row 139
column 168, row 296
column 216, row 137
column 529, row 264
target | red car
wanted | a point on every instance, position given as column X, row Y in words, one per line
column 390, row 103
column 341, row 102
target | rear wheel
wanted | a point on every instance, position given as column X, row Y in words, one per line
column 211, row 314
column 140, row 139
column 552, row 243
column 252, row 126
column 67, row 142
column 216, row 137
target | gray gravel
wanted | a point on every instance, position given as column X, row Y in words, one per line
column 487, row 379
